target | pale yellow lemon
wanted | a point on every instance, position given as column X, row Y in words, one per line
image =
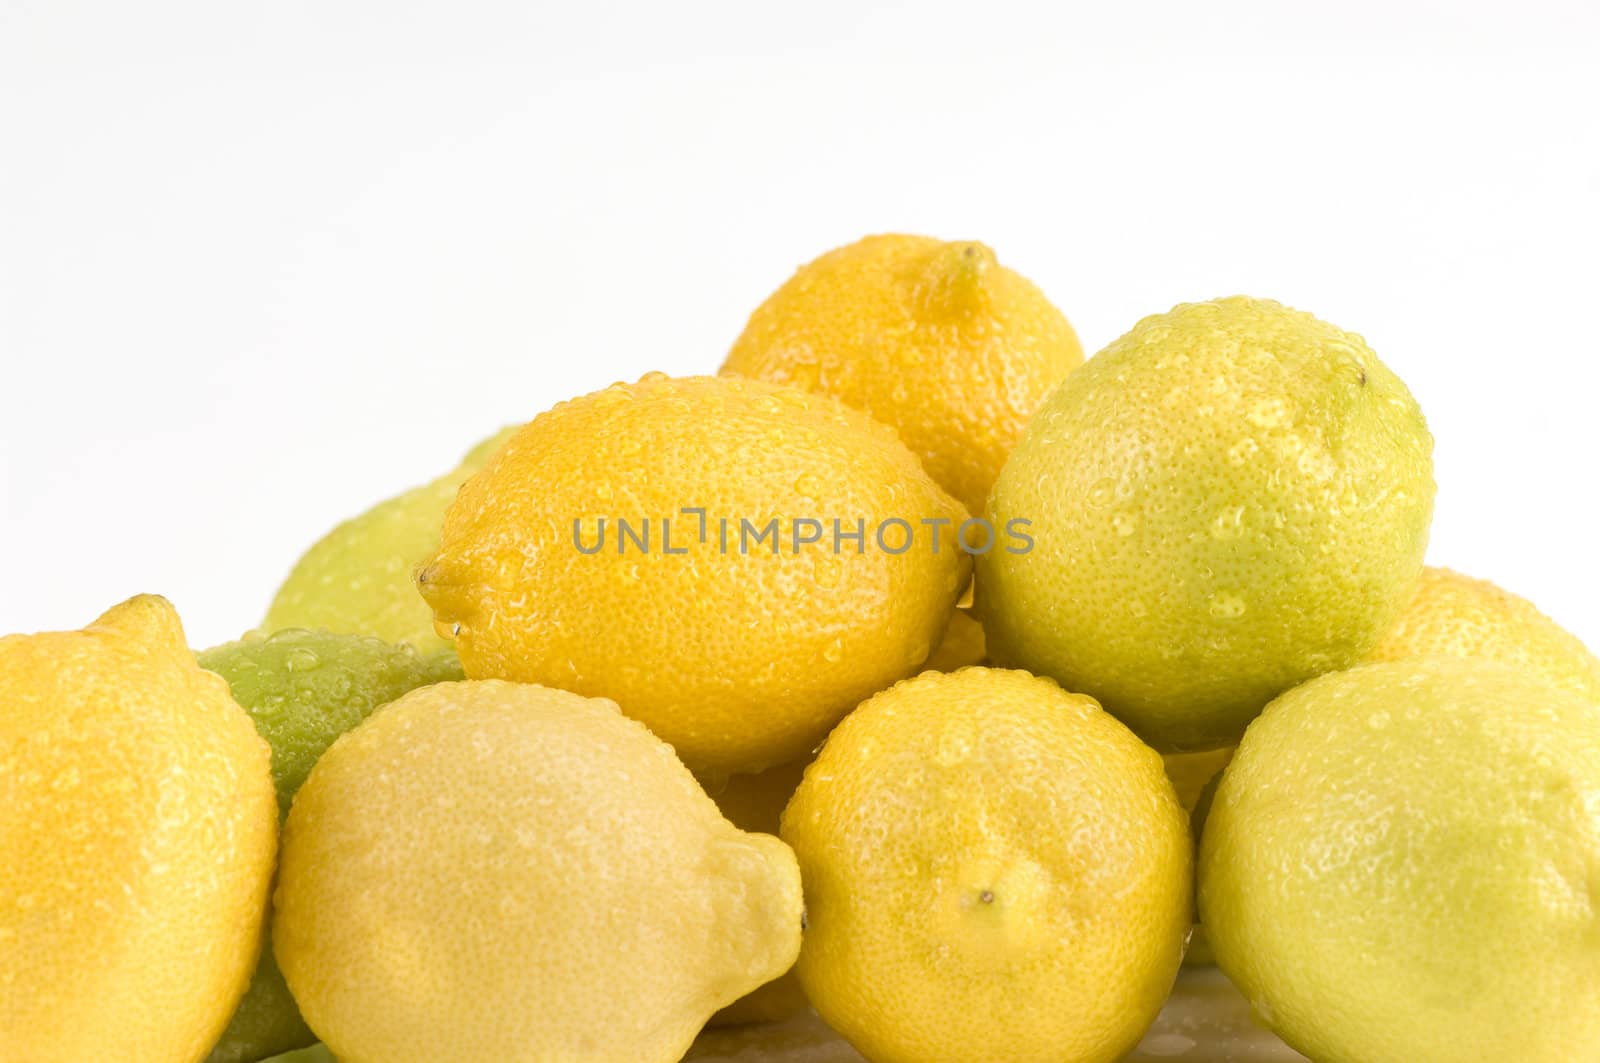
column 491, row 870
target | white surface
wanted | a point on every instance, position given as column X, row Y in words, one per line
column 262, row 265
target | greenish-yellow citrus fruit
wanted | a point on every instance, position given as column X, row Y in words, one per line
column 755, row 803
column 303, row 689
column 937, row 340
column 137, row 836
column 1458, row 616
column 1400, row 865
column 740, row 646
column 994, row 869
column 500, row 871
column 1232, row 498
column 357, row 578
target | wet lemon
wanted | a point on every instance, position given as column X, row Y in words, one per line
column 994, row 869
column 1230, row 499
column 1400, row 864
column 137, row 835
column 934, row 338
column 736, row 563
column 499, row 871
column 1459, row 616
column 357, row 578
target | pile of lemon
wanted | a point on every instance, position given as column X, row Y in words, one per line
column 839, row 680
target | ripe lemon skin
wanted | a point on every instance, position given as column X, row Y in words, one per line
column 499, row 871
column 936, row 339
column 1399, row 866
column 1458, row 616
column 740, row 660
column 357, row 578
column 994, row 869
column 138, row 829
column 1230, row 499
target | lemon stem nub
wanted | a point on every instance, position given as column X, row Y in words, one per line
column 955, row 280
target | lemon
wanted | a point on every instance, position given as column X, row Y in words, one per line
column 994, row 869
column 498, row 871
column 961, row 646
column 302, row 690
column 1230, row 499
column 1400, row 864
column 357, row 578
column 936, row 339
column 138, row 829
column 727, row 630
column 1458, row 616
column 755, row 803
column 1190, row 772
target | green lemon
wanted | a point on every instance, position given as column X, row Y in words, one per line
column 1232, row 498
column 1402, row 862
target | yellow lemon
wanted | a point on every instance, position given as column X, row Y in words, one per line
column 357, row 578
column 994, row 869
column 498, row 871
column 755, row 803
column 936, row 339
column 1458, row 616
column 137, row 834
column 1400, row 864
column 736, row 563
column 1190, row 772
column 1230, row 499
column 962, row 645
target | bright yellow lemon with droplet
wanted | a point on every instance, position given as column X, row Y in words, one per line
column 736, row 563
column 500, row 871
column 138, row 826
column 934, row 338
column 994, row 869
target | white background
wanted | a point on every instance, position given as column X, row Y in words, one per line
column 262, row 265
